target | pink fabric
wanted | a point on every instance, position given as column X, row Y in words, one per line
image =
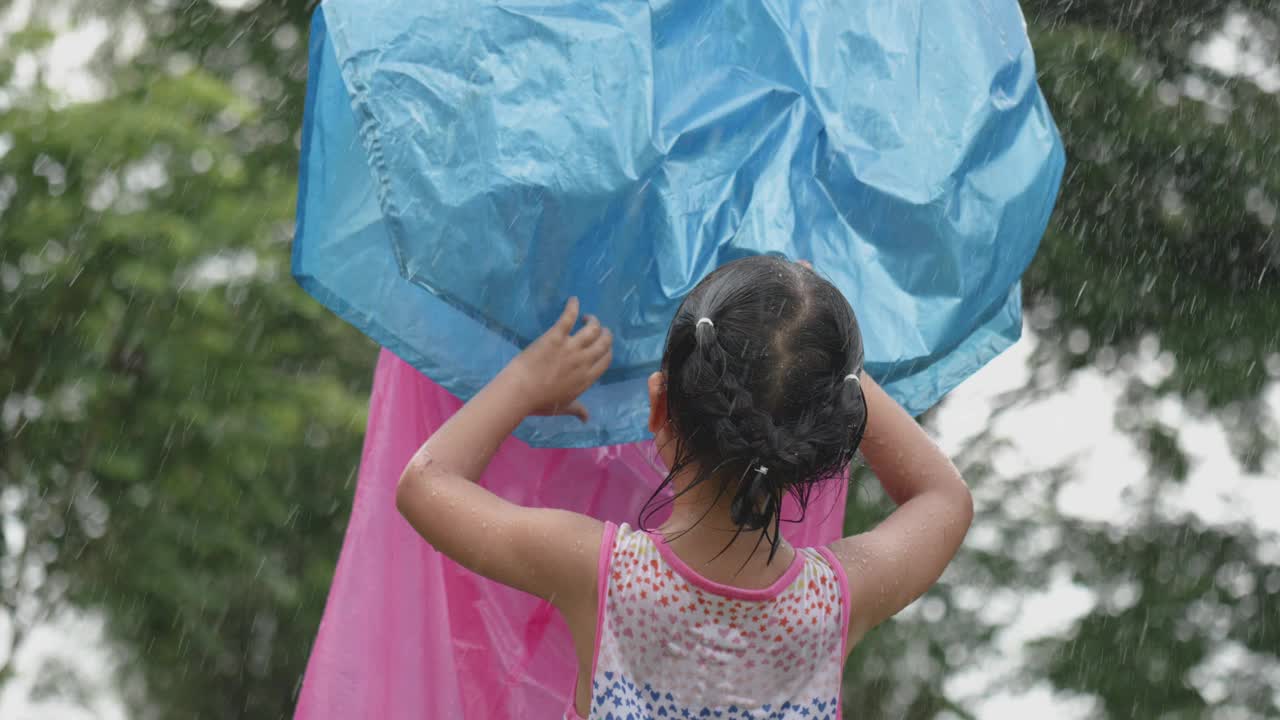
column 407, row 633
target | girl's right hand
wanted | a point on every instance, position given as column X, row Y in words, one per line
column 561, row 364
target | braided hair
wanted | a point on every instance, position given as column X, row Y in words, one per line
column 761, row 363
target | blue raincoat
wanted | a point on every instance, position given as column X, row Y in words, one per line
column 467, row 166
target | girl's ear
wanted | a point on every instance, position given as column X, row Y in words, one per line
column 657, row 402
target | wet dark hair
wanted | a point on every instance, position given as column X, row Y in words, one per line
column 759, row 397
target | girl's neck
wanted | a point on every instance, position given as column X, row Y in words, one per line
column 701, row 532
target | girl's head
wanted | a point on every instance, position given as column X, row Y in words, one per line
column 755, row 394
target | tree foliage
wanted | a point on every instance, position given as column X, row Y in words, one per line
column 181, row 423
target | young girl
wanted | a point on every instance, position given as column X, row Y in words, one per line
column 713, row 614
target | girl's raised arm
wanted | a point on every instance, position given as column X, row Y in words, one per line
column 900, row 559
column 549, row 553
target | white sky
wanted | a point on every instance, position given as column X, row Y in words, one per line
column 1107, row 465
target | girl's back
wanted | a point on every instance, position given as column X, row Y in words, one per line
column 672, row 643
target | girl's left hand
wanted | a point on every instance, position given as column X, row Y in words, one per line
column 559, row 366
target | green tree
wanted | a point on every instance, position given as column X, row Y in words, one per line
column 181, row 423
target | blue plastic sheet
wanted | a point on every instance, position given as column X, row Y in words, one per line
column 467, row 166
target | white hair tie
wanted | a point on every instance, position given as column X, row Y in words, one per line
column 706, row 320
column 853, row 377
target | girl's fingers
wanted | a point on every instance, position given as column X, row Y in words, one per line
column 602, row 345
column 577, row 410
column 601, row 364
column 567, row 319
column 589, row 333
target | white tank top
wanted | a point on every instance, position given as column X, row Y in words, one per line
column 673, row 644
